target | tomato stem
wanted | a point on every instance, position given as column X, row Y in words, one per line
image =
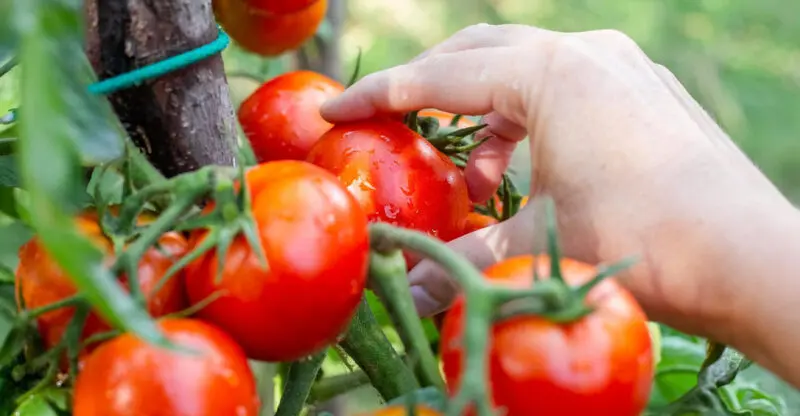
column 330, row 387
column 128, row 261
column 302, row 374
column 366, row 343
column 481, row 301
column 62, row 303
column 388, row 274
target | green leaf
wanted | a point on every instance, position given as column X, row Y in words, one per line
column 62, row 126
column 8, row 202
column 12, row 237
column 8, row 39
column 8, row 172
column 49, row 402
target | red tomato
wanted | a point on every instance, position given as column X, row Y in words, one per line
column 279, row 6
column 126, row 376
column 315, row 237
column 281, row 118
column 601, row 364
column 445, row 118
column 396, row 175
column 40, row 282
column 402, row 411
column 476, row 221
column 268, row 34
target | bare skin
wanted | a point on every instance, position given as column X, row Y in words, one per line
column 634, row 165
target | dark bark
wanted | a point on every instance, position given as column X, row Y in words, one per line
column 184, row 119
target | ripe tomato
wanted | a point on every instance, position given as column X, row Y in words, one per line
column 281, row 118
column 127, row 376
column 445, row 118
column 401, row 410
column 601, row 364
column 279, row 6
column 40, row 281
column 315, row 237
column 476, row 221
column 396, row 175
column 265, row 33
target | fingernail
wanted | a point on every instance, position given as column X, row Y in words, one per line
column 425, row 303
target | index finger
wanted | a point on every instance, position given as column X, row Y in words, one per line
column 472, row 82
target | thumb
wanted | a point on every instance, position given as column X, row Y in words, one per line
column 434, row 289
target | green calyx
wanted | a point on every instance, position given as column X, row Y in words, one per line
column 553, row 298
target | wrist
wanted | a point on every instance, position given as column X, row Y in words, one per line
column 764, row 289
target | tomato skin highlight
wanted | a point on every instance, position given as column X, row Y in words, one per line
column 279, row 6
column 40, row 282
column 281, row 118
column 397, row 176
column 268, row 34
column 315, row 238
column 128, row 377
column 601, row 364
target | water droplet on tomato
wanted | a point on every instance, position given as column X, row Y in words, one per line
column 391, row 211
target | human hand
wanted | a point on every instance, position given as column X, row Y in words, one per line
column 633, row 163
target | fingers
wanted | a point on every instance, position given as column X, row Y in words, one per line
column 489, row 161
column 471, row 82
column 432, row 287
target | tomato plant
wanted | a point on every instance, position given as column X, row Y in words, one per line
column 599, row 364
column 396, row 175
column 268, row 34
column 41, row 282
column 127, row 376
column 280, row 6
column 314, row 235
column 281, row 118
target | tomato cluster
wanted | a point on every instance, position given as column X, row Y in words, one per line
column 312, row 195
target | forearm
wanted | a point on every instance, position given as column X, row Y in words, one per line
column 765, row 324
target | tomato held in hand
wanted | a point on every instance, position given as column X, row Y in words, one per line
column 129, row 377
column 40, row 281
column 268, row 34
column 396, row 410
column 279, row 6
column 601, row 364
column 281, row 118
column 315, row 237
column 396, row 175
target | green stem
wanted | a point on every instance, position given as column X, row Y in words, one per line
column 388, row 274
column 129, row 260
column 298, row 384
column 142, row 173
column 330, row 387
column 481, row 301
column 63, row 303
column 8, row 65
column 366, row 343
